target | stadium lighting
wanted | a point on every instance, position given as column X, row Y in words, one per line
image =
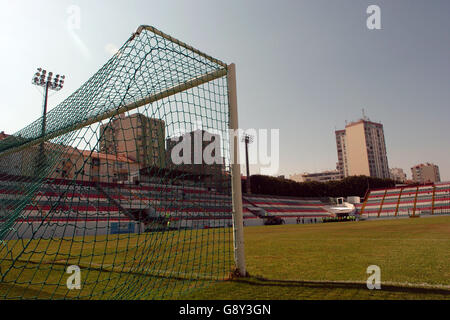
column 247, row 139
column 43, row 79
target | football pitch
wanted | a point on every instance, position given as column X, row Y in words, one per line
column 317, row 261
column 329, row 261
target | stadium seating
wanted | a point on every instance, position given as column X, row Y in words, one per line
column 69, row 207
column 289, row 209
column 66, row 207
column 407, row 201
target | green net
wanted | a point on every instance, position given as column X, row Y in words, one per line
column 94, row 201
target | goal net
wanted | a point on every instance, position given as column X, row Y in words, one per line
column 123, row 190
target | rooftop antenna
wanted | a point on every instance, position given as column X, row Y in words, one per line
column 364, row 114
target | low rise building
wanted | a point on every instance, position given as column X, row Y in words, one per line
column 425, row 173
column 324, row 176
column 66, row 162
column 398, row 175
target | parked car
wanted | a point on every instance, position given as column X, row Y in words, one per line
column 273, row 220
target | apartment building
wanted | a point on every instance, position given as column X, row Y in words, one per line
column 137, row 137
column 361, row 150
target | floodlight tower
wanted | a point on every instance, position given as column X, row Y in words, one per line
column 42, row 79
column 247, row 139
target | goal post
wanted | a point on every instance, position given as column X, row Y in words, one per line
column 111, row 198
column 238, row 219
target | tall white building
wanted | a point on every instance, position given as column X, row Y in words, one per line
column 361, row 150
column 342, row 164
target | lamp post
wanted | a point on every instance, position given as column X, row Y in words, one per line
column 247, row 139
column 43, row 79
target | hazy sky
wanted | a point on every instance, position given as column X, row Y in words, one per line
column 304, row 67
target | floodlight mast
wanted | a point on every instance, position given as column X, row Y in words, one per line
column 42, row 79
column 247, row 139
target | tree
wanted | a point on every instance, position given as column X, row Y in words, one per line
column 350, row 186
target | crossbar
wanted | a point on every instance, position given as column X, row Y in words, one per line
column 128, row 107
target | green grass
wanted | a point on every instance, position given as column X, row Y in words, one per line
column 413, row 255
column 406, row 250
column 150, row 265
column 284, row 262
column 254, row 289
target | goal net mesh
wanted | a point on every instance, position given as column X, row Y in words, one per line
column 112, row 194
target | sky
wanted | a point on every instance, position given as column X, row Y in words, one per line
column 304, row 67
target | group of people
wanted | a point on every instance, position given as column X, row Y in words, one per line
column 339, row 219
column 315, row 220
column 308, row 220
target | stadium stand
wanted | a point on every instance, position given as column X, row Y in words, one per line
column 92, row 208
column 407, row 201
column 288, row 209
column 101, row 208
column 89, row 208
